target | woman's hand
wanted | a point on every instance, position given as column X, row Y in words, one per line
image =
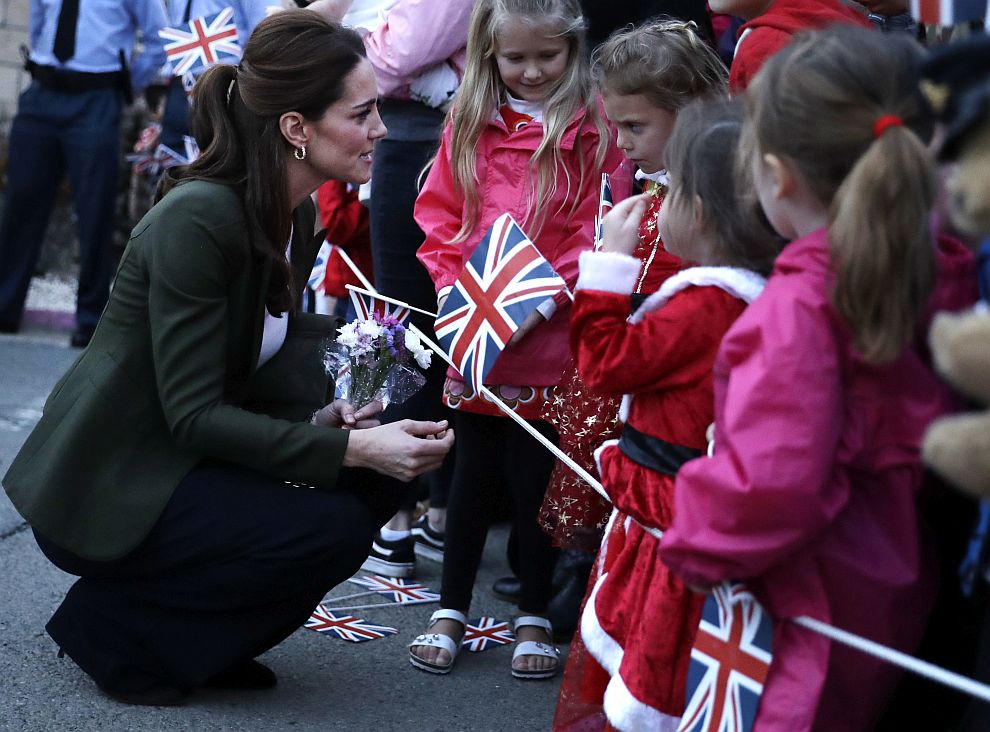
column 341, row 413
column 620, row 227
column 532, row 320
column 400, row 450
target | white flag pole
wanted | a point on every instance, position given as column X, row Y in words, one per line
column 391, row 300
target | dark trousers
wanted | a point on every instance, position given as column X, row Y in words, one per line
column 395, row 237
column 235, row 564
column 54, row 133
column 495, row 454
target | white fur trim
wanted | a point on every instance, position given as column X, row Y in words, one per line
column 741, row 283
column 608, row 272
column 624, row 407
column 598, row 453
column 603, row 647
column 628, row 714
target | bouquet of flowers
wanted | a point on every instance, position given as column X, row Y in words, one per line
column 373, row 359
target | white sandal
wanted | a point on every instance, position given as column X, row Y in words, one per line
column 535, row 648
column 438, row 640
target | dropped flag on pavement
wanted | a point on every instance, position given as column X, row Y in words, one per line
column 398, row 590
column 484, row 632
column 346, row 627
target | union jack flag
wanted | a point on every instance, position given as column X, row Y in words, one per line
column 398, row 590
column 729, row 663
column 605, row 204
column 366, row 307
column 346, row 627
column 948, row 12
column 484, row 632
column 202, row 43
column 152, row 163
column 319, row 272
column 504, row 281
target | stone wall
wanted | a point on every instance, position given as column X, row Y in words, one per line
column 13, row 78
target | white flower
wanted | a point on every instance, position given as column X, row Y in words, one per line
column 348, row 336
column 370, row 328
column 422, row 355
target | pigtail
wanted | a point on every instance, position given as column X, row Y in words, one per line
column 881, row 290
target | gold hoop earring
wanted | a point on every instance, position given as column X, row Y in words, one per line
column 300, row 152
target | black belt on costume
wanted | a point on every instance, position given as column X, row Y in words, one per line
column 654, row 453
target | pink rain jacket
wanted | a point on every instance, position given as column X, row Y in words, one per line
column 811, row 494
column 503, row 173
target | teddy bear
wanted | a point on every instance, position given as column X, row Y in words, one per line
column 956, row 83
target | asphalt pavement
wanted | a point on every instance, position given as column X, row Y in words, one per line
column 324, row 683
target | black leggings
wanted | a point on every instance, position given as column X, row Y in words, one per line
column 495, row 454
column 235, row 564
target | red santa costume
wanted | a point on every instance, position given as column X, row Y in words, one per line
column 572, row 512
column 627, row 668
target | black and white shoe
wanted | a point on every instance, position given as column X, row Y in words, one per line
column 429, row 543
column 391, row 558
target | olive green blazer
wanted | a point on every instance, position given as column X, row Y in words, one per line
column 164, row 382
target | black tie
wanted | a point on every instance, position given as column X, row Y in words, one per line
column 65, row 33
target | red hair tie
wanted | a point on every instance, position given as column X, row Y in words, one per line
column 884, row 122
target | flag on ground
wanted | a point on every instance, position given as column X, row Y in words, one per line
column 948, row 12
column 605, row 204
column 484, row 632
column 398, row 590
column 202, row 42
column 346, row 627
column 366, row 307
column 729, row 663
column 504, row 281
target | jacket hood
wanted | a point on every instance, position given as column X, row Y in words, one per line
column 792, row 16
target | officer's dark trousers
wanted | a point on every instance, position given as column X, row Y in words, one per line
column 235, row 564
column 54, row 133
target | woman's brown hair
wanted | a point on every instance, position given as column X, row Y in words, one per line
column 817, row 104
column 700, row 152
column 664, row 59
column 294, row 61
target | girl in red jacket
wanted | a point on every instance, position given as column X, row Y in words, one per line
column 627, row 667
column 646, row 75
column 822, row 387
column 525, row 137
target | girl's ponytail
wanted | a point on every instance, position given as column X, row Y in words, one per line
column 843, row 106
column 882, row 289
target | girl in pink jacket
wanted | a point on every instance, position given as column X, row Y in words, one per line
column 822, row 394
column 525, row 137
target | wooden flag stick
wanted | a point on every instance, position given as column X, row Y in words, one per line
column 391, row 300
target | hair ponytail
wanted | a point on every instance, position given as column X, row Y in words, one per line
column 818, row 104
column 882, row 289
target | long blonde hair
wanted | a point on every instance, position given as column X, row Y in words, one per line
column 817, row 103
column 482, row 93
column 663, row 59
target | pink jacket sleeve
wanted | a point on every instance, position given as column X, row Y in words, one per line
column 416, row 35
column 438, row 212
column 579, row 232
column 770, row 487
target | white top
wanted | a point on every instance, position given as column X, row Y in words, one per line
column 273, row 335
column 533, row 109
